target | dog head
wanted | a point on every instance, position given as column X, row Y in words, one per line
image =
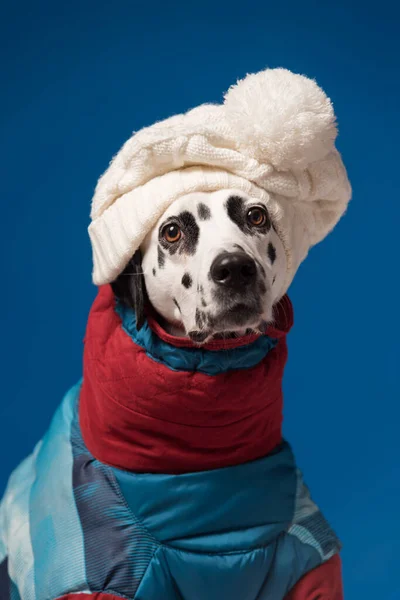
column 213, row 265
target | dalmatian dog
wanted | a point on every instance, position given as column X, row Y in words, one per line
column 164, row 473
column 211, row 267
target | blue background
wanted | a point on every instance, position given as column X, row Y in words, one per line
column 76, row 79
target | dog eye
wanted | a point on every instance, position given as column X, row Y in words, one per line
column 172, row 233
column 257, row 216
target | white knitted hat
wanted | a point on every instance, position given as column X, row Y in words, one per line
column 273, row 138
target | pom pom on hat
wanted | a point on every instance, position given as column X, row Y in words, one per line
column 281, row 118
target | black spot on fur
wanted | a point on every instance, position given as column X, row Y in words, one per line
column 176, row 304
column 154, row 272
column 273, row 281
column 191, row 233
column 203, row 302
column 271, row 253
column 161, row 257
column 204, row 212
column 187, row 281
column 237, row 212
column 235, row 209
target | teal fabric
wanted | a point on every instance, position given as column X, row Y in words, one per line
column 266, row 573
column 247, row 532
column 224, row 510
column 210, row 362
column 56, row 530
column 207, row 577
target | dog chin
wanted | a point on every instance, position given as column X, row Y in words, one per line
column 202, row 337
column 241, row 316
column 236, row 322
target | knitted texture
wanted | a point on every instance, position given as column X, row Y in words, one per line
column 272, row 139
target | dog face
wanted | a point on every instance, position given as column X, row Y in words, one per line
column 213, row 264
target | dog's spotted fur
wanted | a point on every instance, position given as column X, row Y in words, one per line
column 160, row 257
column 203, row 211
column 187, row 281
column 182, row 289
column 271, row 253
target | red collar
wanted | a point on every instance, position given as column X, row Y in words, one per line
column 139, row 415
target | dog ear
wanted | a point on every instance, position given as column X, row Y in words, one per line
column 130, row 288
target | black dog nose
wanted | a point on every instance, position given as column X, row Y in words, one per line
column 233, row 270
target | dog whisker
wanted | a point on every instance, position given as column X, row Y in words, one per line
column 134, row 274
